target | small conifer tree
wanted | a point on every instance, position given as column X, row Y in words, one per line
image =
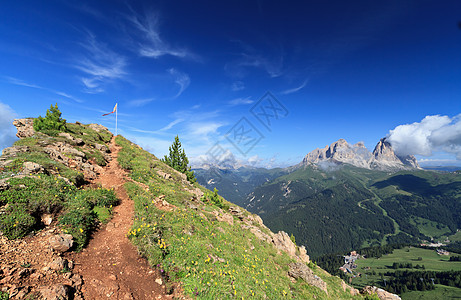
column 177, row 159
column 52, row 120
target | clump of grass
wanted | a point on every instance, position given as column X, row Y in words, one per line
column 16, row 222
column 81, row 213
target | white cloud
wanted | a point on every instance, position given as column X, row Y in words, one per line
column 181, row 79
column 240, row 101
column 433, row 133
column 100, row 63
column 237, row 86
column 201, row 130
column 328, row 166
column 153, row 46
column 7, row 130
column 294, row 90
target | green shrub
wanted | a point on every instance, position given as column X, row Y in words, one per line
column 4, row 296
column 97, row 197
column 16, row 222
column 52, row 123
column 79, row 223
column 82, row 211
column 213, row 198
column 103, row 213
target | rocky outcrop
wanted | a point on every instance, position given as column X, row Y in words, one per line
column 384, row 158
column 341, row 152
column 25, row 127
column 382, row 294
column 75, row 141
column 31, row 168
column 97, row 127
column 282, row 241
column 300, row 270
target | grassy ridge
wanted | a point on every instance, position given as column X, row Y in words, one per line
column 210, row 259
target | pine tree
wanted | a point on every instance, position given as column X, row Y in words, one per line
column 177, row 159
column 52, row 120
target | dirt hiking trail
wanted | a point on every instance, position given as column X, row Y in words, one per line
column 110, row 265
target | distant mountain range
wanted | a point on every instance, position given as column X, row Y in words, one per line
column 345, row 197
column 382, row 158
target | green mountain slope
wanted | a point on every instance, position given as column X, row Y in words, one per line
column 236, row 184
column 349, row 208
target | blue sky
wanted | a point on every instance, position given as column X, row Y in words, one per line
column 200, row 68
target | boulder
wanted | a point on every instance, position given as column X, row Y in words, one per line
column 301, row 270
column 31, row 168
column 225, row 218
column 97, row 127
column 353, row 291
column 76, row 141
column 61, row 242
column 56, row 292
column 102, row 148
column 382, row 294
column 47, row 219
column 25, row 127
column 303, row 254
column 59, row 264
column 282, row 241
column 236, row 211
column 164, row 175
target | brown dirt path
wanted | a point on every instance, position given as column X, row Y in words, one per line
column 110, row 265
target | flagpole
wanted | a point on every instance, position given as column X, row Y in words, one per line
column 116, row 117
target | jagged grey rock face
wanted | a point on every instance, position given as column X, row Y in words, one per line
column 341, row 152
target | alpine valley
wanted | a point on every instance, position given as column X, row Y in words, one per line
column 344, row 197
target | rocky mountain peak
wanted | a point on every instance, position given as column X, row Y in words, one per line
column 383, row 156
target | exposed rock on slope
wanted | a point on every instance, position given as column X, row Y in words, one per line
column 341, row 152
column 384, row 158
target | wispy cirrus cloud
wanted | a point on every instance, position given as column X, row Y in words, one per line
column 240, row 101
column 296, row 89
column 251, row 57
column 140, row 102
column 181, row 79
column 99, row 64
column 20, row 82
column 152, row 44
